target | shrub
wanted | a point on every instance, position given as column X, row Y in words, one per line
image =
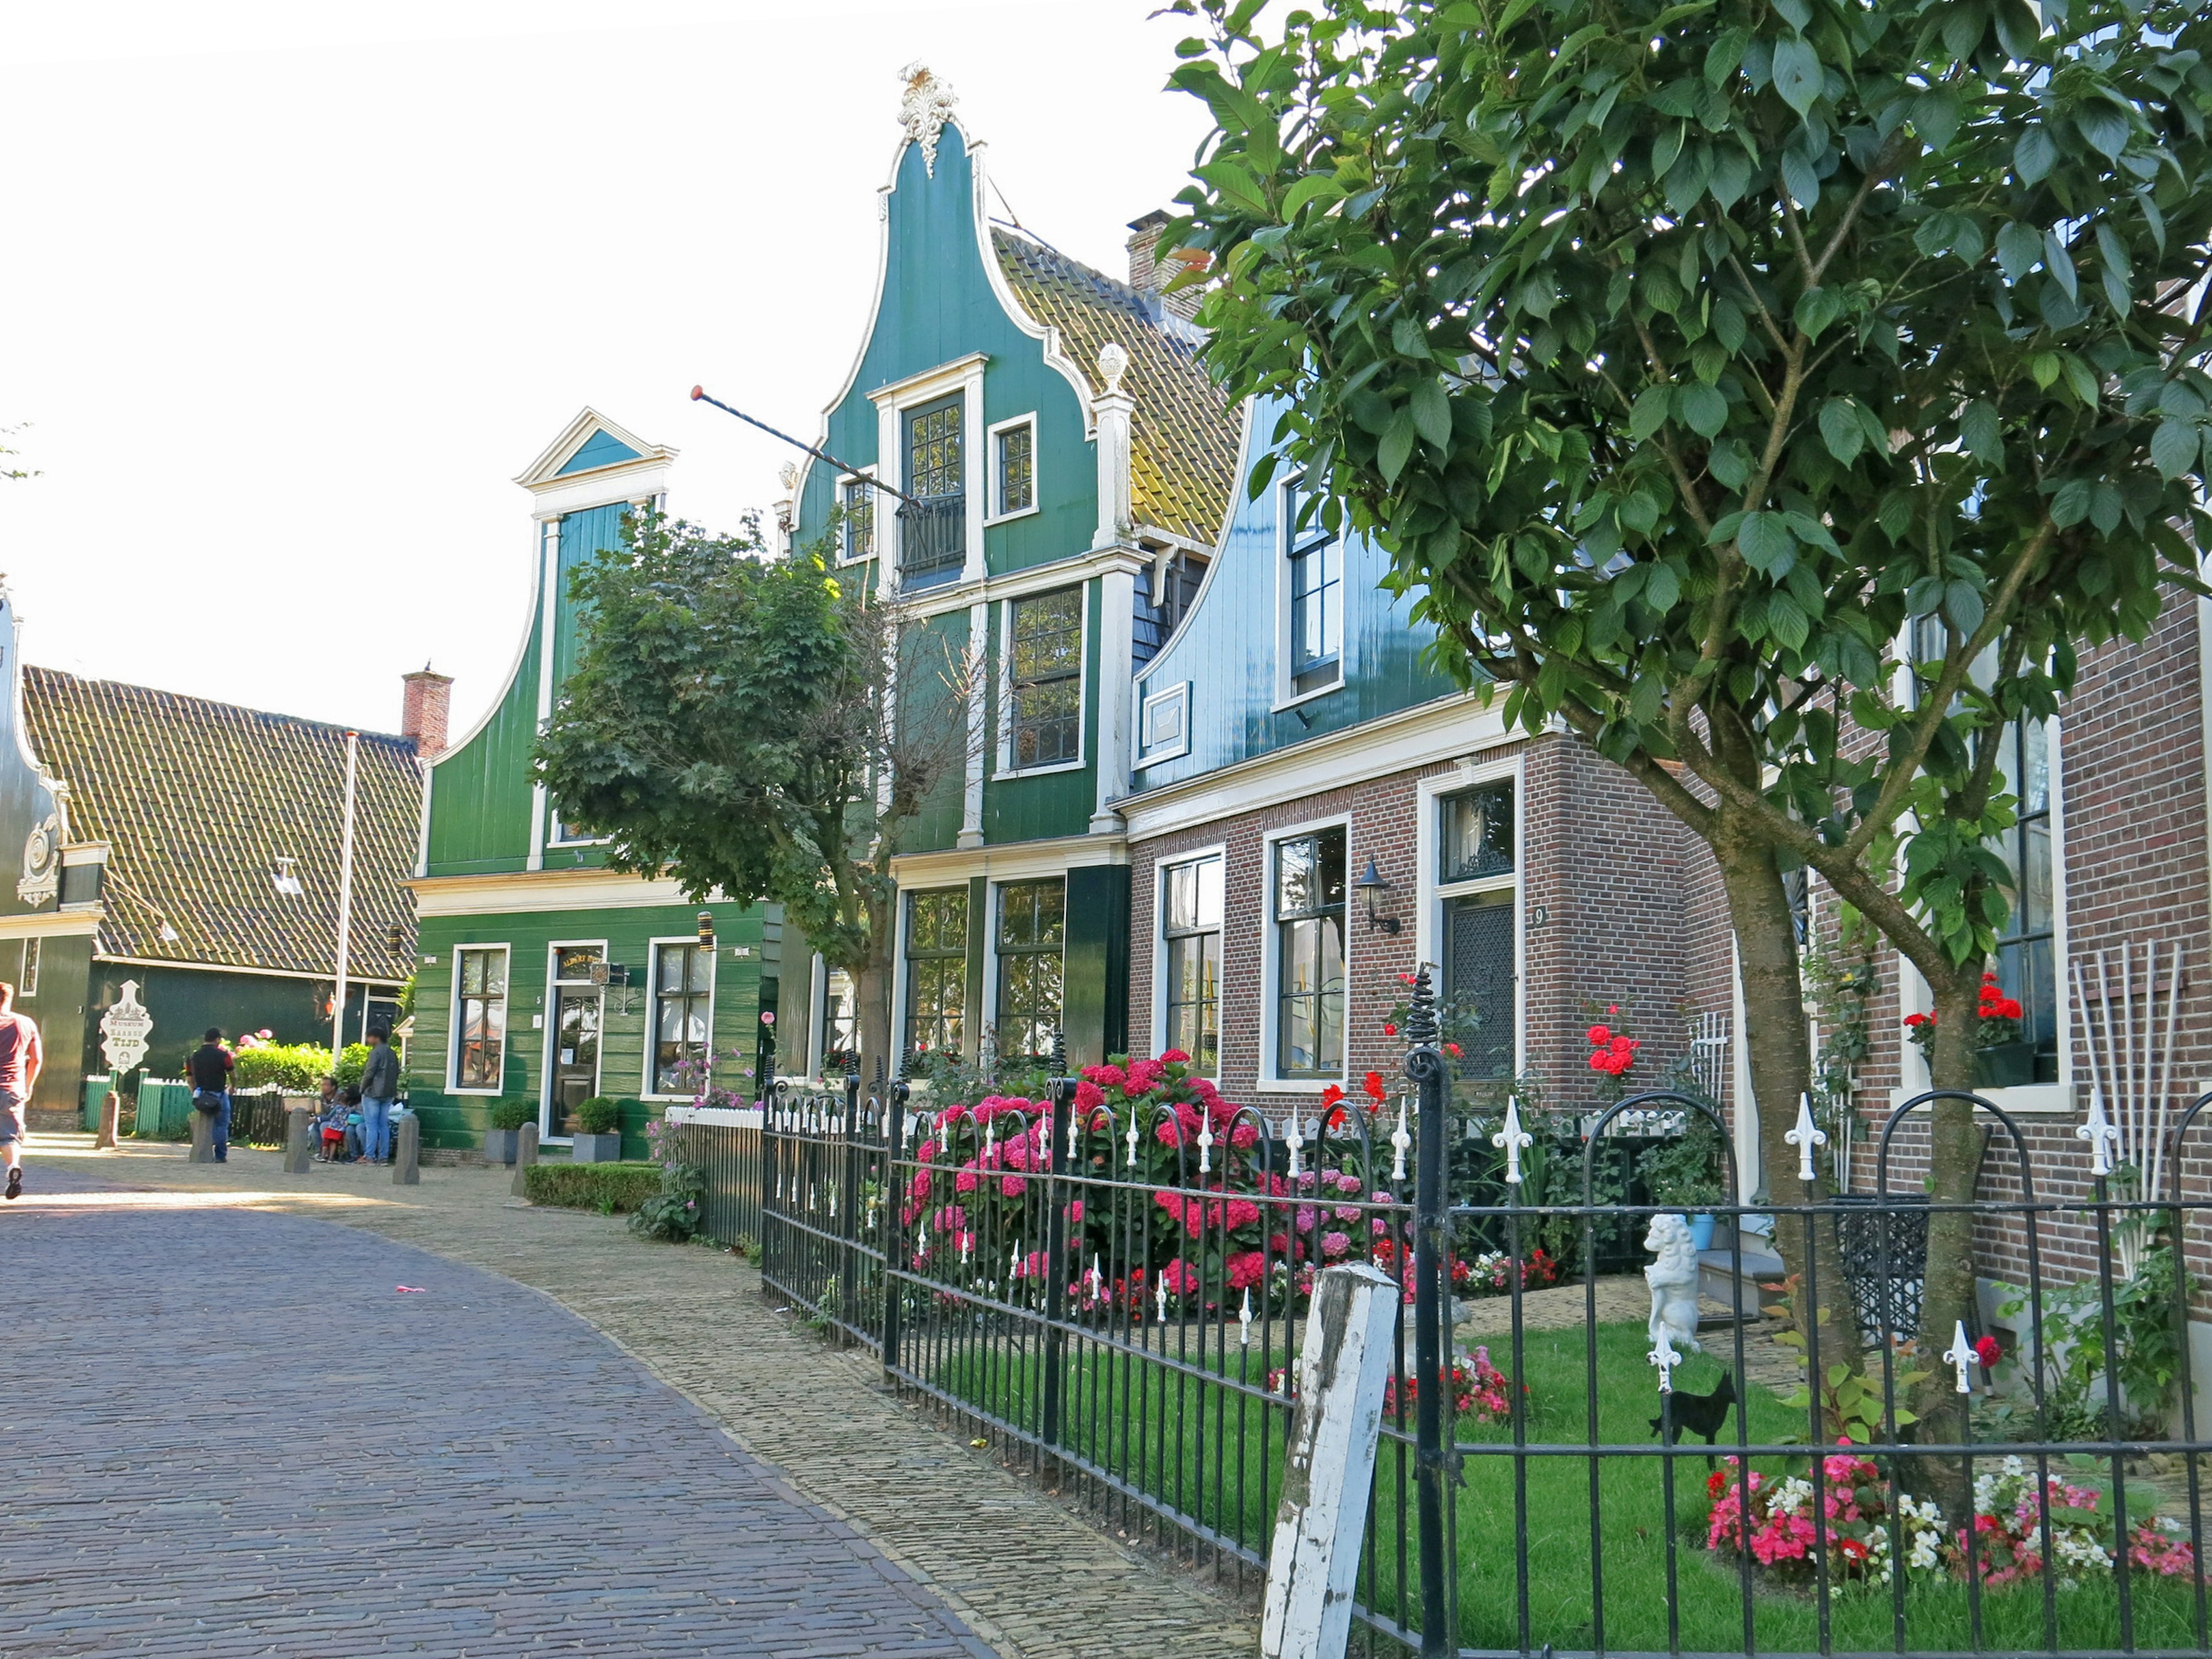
column 674, row 1213
column 352, row 1067
column 599, row 1115
column 608, row 1188
column 295, row 1067
column 512, row 1113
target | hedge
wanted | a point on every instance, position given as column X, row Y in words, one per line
column 608, row 1188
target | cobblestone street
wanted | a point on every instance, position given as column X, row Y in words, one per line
column 233, row 1434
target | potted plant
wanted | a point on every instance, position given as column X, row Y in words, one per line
column 598, row 1137
column 501, row 1140
column 1684, row 1171
column 2003, row 1055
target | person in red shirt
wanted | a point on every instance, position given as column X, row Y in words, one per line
column 21, row 1060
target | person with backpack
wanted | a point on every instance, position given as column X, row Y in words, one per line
column 21, row 1060
column 379, row 1089
column 208, row 1071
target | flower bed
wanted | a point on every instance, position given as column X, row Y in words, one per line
column 1772, row 1518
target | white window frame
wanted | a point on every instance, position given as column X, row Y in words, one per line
column 965, row 376
column 1432, row 895
column 991, row 433
column 1178, row 695
column 996, row 895
column 1003, row 760
column 1271, row 1080
column 1287, row 697
column 645, row 1090
column 865, row 475
column 26, row 979
column 1159, row 942
column 551, row 1017
column 901, row 1033
column 453, row 1022
column 558, row 835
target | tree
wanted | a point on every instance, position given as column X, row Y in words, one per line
column 1687, row 358
column 729, row 723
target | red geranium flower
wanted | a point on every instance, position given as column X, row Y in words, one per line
column 1987, row 1351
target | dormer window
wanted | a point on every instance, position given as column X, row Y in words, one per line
column 1315, row 593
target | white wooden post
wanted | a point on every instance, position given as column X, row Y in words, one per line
column 1344, row 1371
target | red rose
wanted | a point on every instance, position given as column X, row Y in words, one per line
column 1372, row 1083
column 1987, row 1351
column 1388, row 1029
column 1452, row 1049
column 1331, row 1095
column 1600, row 1034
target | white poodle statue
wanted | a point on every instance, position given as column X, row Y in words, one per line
column 1673, row 1281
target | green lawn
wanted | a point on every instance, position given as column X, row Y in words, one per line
column 1215, row 1455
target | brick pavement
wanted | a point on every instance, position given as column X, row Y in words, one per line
column 228, row 1433
column 1017, row 1566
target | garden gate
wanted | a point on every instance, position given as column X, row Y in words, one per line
column 1112, row 1284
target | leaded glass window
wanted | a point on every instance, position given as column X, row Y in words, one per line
column 1308, row 915
column 1045, row 680
column 682, row 1015
column 1032, row 934
column 480, row 1019
column 936, row 969
column 1191, row 926
column 857, row 496
column 1475, row 836
column 933, row 460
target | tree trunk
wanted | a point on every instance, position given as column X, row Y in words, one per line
column 871, row 990
column 1778, row 1043
column 1954, row 1159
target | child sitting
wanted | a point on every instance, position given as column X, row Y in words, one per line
column 340, row 1142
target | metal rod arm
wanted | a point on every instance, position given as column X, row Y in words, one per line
column 699, row 395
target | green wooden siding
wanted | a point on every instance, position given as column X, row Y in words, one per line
column 480, row 792
column 938, row 305
column 933, row 658
column 456, row 1120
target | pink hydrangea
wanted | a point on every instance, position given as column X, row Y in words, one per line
column 1168, row 1056
column 1089, row 1097
column 1246, row 1267
column 1334, row 1245
column 1106, row 1077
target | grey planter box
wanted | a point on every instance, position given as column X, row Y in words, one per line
column 596, row 1149
column 499, row 1144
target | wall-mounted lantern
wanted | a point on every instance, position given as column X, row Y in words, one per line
column 1374, row 884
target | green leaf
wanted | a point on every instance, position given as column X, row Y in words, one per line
column 1765, row 541
column 1978, row 430
column 1396, row 447
column 1432, row 417
column 1236, row 187
column 2071, row 504
column 2082, row 380
column 1797, row 74
column 2103, row 125
column 1816, row 309
column 1702, row 408
column 2174, row 448
column 1936, row 114
column 2046, row 366
column 1661, row 589
column 1726, row 53
column 1314, row 187
column 1962, row 603
column 1787, row 621
column 1895, row 514
column 2034, row 154
column 2060, row 264
column 1729, row 177
column 1840, row 430
column 2019, row 247
column 1650, row 412
column 1729, row 462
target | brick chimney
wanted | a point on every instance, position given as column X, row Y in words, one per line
column 1148, row 276
column 423, row 711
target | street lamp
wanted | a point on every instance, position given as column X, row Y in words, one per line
column 1373, row 884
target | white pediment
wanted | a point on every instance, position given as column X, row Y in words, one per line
column 553, row 469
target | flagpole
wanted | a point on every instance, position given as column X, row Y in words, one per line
column 345, row 901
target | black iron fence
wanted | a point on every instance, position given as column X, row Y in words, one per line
column 932, row 536
column 1113, row 1282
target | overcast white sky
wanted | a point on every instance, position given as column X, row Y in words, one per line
column 292, row 291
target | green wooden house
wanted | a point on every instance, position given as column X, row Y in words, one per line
column 1066, row 466
column 543, row 976
column 178, row 858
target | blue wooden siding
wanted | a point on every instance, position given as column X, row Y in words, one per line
column 598, row 450
column 1226, row 647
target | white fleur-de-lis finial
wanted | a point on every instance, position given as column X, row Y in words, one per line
column 1132, row 1138
column 1805, row 1137
column 1014, row 1265
column 990, row 1135
column 1244, row 1319
column 1205, row 1145
column 1666, row 1359
column 2099, row 1134
column 1959, row 1355
column 1296, row 1142
column 1074, row 1128
column 1399, row 1140
column 1160, row 1297
column 1098, row 1281
column 833, row 1201
column 967, row 1247
column 1513, row 1138
column 813, row 1197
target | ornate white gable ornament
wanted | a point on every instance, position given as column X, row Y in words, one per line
column 924, row 111
column 124, row 1030
column 42, row 861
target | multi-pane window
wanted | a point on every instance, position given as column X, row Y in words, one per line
column 841, row 1023
column 1474, row 880
column 936, row 968
column 856, row 497
column 1016, row 467
column 682, row 1015
column 1316, row 590
column 1309, row 913
column 2025, row 965
column 933, row 461
column 480, row 1022
column 27, row 983
column 1044, row 697
column 1032, row 930
column 1190, row 915
column 933, row 526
